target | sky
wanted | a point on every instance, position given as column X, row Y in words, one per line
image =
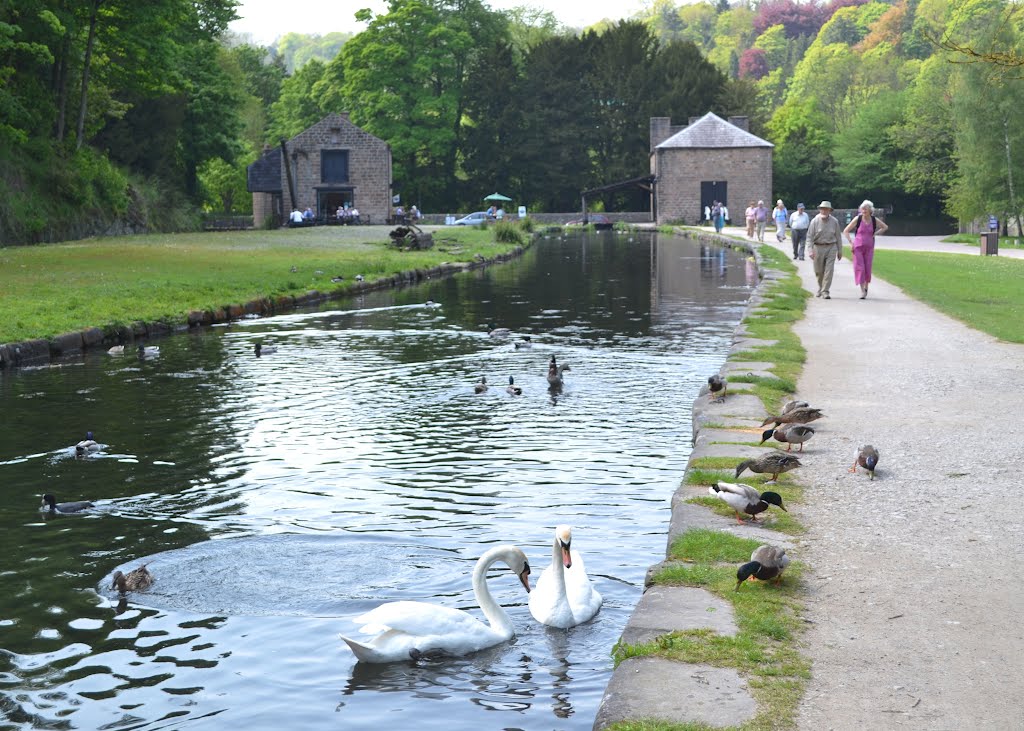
column 269, row 19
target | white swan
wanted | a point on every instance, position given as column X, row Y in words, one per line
column 407, row 630
column 564, row 596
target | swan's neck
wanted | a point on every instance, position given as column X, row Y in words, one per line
column 557, row 567
column 496, row 616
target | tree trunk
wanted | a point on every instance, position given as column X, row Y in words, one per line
column 83, row 103
column 61, row 85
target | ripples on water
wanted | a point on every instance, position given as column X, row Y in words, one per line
column 280, row 497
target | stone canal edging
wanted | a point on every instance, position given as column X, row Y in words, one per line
column 651, row 687
column 44, row 350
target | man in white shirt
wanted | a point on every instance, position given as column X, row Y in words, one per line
column 296, row 217
column 798, row 224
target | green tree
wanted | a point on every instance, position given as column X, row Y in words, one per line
column 297, row 107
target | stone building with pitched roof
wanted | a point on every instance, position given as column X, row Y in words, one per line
column 333, row 163
column 706, row 160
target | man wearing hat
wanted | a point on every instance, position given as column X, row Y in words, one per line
column 798, row 224
column 824, row 236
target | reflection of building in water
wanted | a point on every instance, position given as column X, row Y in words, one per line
column 687, row 278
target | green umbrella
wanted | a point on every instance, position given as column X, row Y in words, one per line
column 497, row 197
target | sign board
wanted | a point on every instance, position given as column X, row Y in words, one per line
column 522, row 211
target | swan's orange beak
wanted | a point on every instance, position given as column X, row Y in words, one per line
column 524, row 578
column 566, row 558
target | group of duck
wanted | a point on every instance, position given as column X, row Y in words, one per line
column 138, row 579
column 556, row 371
column 790, row 427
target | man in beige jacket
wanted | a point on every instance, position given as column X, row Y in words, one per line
column 824, row 238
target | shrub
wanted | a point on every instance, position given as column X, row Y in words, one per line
column 508, row 233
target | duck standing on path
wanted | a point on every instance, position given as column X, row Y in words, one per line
column 790, row 434
column 481, row 385
column 138, row 579
column 798, row 415
column 766, row 562
column 513, row 389
column 790, row 405
column 715, row 384
column 745, row 499
column 866, row 457
column 773, row 463
column 50, row 505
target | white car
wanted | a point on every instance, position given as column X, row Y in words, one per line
column 473, row 219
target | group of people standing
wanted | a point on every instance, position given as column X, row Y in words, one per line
column 824, row 235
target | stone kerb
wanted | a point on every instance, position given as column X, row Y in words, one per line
column 652, row 687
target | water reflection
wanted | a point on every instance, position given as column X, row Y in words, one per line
column 282, row 496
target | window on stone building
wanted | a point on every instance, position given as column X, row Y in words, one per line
column 334, row 166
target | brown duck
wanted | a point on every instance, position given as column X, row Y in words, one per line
column 773, row 463
column 766, row 562
column 866, row 457
column 790, row 434
column 135, row 580
column 799, row 415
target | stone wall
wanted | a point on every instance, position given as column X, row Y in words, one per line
column 747, row 171
column 369, row 166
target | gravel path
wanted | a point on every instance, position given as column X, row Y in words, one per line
column 914, row 593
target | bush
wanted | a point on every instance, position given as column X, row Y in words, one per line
column 526, row 225
column 508, row 233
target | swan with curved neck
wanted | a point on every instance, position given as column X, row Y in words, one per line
column 407, row 630
column 564, row 596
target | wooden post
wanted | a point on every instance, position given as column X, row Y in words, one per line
column 288, row 172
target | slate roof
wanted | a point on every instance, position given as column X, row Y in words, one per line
column 712, row 131
column 264, row 175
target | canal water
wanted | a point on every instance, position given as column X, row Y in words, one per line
column 277, row 498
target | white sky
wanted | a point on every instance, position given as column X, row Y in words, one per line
column 269, row 19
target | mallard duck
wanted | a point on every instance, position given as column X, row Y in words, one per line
column 555, row 372
column 715, row 384
column 481, row 386
column 116, row 350
column 773, row 463
column 524, row 344
column 50, row 505
column 87, row 445
column 150, row 351
column 790, row 434
column 866, row 457
column 744, row 498
column 794, row 405
column 513, row 388
column 766, row 562
column 260, row 349
column 135, row 580
column 796, row 415
column 498, row 332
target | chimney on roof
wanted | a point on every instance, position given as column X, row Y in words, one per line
column 742, row 122
column 660, row 130
column 692, row 120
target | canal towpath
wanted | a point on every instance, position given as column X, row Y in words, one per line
column 913, row 587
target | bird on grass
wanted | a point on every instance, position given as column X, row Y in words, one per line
column 555, row 371
column 745, row 499
column 773, row 463
column 87, row 445
column 260, row 349
column 138, row 579
column 481, row 386
column 766, row 562
column 513, row 389
column 50, row 505
column 790, row 434
column 717, row 384
column 525, row 344
column 866, row 457
column 797, row 415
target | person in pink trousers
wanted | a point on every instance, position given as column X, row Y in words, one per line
column 860, row 233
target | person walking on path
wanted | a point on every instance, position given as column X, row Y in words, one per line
column 824, row 236
column 798, row 224
column 751, row 221
column 861, row 232
column 717, row 217
column 781, row 216
column 760, row 219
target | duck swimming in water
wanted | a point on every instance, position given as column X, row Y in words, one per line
column 513, row 389
column 138, row 579
column 50, row 505
column 481, row 386
column 87, row 445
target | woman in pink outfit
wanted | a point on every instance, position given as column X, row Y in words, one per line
column 860, row 233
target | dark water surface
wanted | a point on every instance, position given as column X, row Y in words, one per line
column 279, row 497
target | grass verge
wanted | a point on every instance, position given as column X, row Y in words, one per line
column 764, row 649
column 48, row 290
column 983, row 292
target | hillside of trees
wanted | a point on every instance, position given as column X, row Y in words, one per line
column 118, row 115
